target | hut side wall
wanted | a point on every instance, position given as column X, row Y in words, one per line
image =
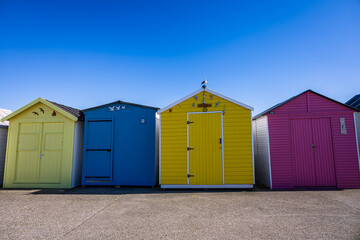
column 78, row 153
column 238, row 160
column 3, row 140
column 261, row 151
column 310, row 105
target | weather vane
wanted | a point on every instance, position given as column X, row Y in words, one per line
column 204, row 83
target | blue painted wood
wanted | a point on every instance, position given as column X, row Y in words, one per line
column 119, row 146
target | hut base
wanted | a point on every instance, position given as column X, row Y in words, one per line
column 208, row 186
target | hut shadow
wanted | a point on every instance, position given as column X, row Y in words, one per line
column 111, row 190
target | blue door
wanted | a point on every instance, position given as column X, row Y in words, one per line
column 99, row 151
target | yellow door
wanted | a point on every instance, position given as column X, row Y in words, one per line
column 205, row 149
column 28, row 151
column 51, row 153
column 39, row 153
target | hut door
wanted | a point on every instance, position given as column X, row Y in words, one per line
column 205, row 149
column 323, row 152
column 39, row 153
column 312, row 152
column 28, row 152
column 98, row 165
column 51, row 153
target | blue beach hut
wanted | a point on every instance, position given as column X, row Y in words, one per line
column 120, row 145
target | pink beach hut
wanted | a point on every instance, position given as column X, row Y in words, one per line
column 307, row 141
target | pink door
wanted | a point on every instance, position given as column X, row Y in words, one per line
column 304, row 166
column 312, row 153
column 323, row 152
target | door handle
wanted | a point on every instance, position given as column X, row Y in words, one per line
column 220, row 140
column 41, row 155
column 313, row 147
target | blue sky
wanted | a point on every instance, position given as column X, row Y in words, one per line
column 87, row 53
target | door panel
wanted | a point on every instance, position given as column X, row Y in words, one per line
column 28, row 151
column 51, row 153
column 205, row 160
column 304, row 166
column 323, row 152
column 99, row 150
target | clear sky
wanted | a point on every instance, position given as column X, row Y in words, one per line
column 87, row 53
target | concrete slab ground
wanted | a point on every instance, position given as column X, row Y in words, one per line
column 143, row 213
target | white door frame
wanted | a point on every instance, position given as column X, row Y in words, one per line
column 222, row 142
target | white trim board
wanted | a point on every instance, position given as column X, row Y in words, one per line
column 209, row 91
column 208, row 186
column 356, row 116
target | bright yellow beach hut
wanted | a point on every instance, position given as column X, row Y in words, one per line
column 206, row 142
column 44, row 148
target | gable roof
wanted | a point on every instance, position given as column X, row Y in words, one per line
column 72, row 113
column 209, row 91
column 4, row 113
column 119, row 102
column 354, row 102
column 288, row 100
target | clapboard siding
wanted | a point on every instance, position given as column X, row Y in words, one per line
column 237, row 145
column 261, row 151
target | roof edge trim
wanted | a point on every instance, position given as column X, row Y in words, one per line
column 63, row 112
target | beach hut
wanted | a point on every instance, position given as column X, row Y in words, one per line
column 120, row 145
column 3, row 140
column 44, row 148
column 306, row 141
column 206, row 142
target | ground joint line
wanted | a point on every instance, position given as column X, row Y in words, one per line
column 86, row 220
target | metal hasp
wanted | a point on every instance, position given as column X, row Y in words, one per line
column 190, row 148
column 189, row 176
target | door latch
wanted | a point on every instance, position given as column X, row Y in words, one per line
column 189, row 176
column 190, row 148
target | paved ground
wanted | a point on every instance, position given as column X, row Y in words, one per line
column 109, row 213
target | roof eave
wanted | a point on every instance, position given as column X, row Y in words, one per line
column 13, row 114
column 119, row 102
column 210, row 91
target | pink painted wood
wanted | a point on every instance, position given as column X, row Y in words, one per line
column 327, row 137
column 304, row 164
column 323, row 152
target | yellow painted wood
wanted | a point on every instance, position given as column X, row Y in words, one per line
column 237, row 142
column 29, row 135
column 205, row 160
column 43, row 101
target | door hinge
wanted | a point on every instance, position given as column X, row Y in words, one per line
column 188, row 122
column 190, row 148
column 190, row 175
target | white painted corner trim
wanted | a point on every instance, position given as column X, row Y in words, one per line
column 209, row 91
column 356, row 136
